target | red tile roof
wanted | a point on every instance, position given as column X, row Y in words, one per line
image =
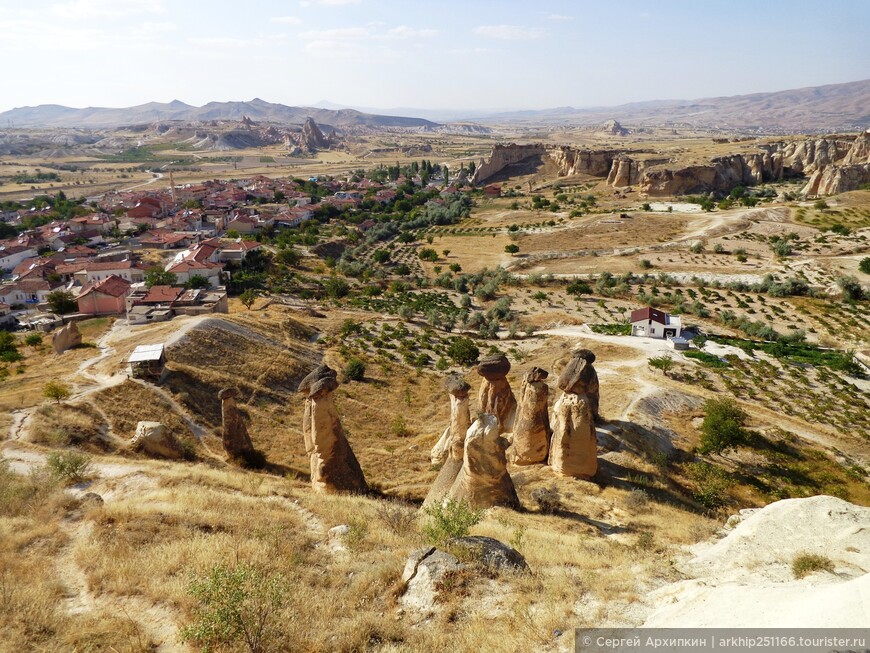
column 649, row 314
column 112, row 285
column 161, row 295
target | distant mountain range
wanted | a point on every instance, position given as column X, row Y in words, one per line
column 835, row 107
column 55, row 115
column 814, row 109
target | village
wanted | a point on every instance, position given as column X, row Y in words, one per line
column 150, row 255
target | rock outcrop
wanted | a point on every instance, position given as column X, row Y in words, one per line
column 531, row 433
column 450, row 449
column 312, row 137
column 573, row 447
column 153, row 439
column 747, row 580
column 834, row 164
column 613, row 128
column 334, row 467
column 426, row 568
column 452, row 441
column 237, row 443
column 65, row 338
column 496, row 396
column 484, row 481
column 504, row 155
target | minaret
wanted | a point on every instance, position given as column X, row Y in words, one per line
column 172, row 188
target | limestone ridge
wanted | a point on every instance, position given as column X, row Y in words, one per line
column 835, row 164
column 334, row 467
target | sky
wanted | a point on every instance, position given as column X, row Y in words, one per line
column 442, row 54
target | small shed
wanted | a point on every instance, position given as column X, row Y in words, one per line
column 678, row 343
column 147, row 362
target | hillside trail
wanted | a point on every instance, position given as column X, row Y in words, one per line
column 158, row 622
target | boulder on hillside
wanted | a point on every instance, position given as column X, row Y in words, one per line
column 153, row 439
column 66, row 338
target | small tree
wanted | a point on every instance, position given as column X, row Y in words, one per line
column 236, row 605
column 56, row 390
column 723, row 426
column 158, row 277
column 249, row 297
column 864, row 265
column 355, row 370
column 663, row 363
column 463, row 351
column 454, row 518
column 851, row 288
column 61, row 302
column 197, row 281
column 511, row 249
column 336, row 287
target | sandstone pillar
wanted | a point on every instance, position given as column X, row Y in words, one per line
column 334, row 468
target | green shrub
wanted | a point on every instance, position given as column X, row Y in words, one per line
column 355, row 370
column 56, row 390
column 712, row 484
column 237, row 608
column 69, row 466
column 448, row 520
column 723, row 426
column 35, row 339
column 864, row 265
column 463, row 351
column 806, row 563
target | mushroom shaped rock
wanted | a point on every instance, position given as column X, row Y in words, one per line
column 65, row 338
column 496, row 396
column 453, row 438
column 531, row 435
column 578, row 373
column 484, row 481
column 573, row 447
column 237, row 443
column 334, row 467
column 450, row 448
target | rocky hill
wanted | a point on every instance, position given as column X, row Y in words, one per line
column 832, row 165
column 813, row 110
column 52, row 115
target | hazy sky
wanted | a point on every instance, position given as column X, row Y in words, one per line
column 437, row 54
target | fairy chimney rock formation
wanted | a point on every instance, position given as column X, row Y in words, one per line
column 237, row 443
column 452, row 440
column 573, row 448
column 496, row 397
column 66, row 337
column 484, row 481
column 531, row 434
column 334, row 468
column 450, row 449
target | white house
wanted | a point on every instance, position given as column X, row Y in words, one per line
column 12, row 255
column 652, row 323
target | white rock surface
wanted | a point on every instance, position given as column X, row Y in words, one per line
column 746, row 580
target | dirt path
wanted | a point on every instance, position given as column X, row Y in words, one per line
column 115, row 481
